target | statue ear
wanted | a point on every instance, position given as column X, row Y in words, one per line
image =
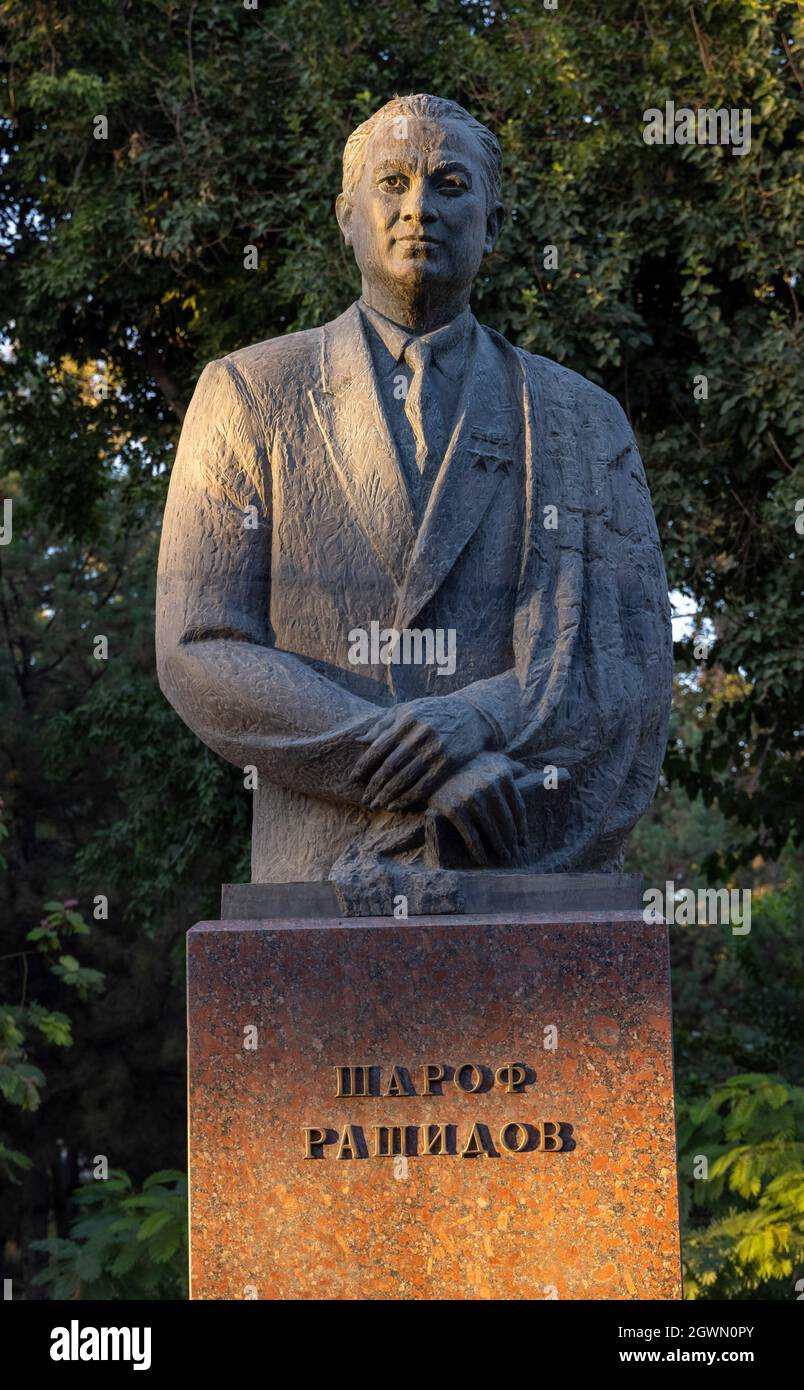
column 343, row 212
column 494, row 223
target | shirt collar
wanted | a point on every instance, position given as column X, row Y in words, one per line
column 448, row 342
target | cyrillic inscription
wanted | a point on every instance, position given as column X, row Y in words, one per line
column 466, row 1140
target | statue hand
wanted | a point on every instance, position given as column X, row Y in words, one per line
column 416, row 746
column 486, row 809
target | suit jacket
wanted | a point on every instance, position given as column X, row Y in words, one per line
column 288, row 526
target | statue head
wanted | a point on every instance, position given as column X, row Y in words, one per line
column 420, row 205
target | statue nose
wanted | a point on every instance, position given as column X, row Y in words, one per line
column 418, row 207
column 423, row 215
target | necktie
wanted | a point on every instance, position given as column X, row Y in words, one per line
column 421, row 404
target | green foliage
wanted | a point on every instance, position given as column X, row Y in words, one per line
column 137, row 853
column 737, row 999
column 21, row 1081
column 737, row 1014
column 745, row 1219
column 100, row 797
column 123, row 1244
column 125, row 258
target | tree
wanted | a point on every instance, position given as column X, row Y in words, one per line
column 743, row 1167
column 105, row 802
column 146, row 148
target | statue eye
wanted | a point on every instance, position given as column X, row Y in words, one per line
column 394, row 183
column 453, row 183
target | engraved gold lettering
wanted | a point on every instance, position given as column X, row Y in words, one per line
column 348, row 1145
column 352, row 1081
column 399, row 1083
column 389, row 1140
column 432, row 1075
column 435, row 1135
column 477, row 1077
column 518, row 1142
column 557, row 1142
column 314, row 1138
column 476, row 1144
column 512, row 1076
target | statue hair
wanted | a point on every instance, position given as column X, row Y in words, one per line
column 435, row 108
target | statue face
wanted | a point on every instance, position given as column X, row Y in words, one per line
column 420, row 214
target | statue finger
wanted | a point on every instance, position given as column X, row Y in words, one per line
column 374, row 756
column 517, row 803
column 502, row 816
column 458, row 818
column 380, row 726
column 399, row 785
column 390, row 774
column 487, row 817
column 399, row 792
column 422, row 790
column 385, row 734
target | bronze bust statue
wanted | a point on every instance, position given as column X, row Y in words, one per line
column 410, row 573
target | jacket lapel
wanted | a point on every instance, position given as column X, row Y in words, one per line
column 351, row 419
column 480, row 453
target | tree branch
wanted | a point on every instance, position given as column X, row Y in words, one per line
column 166, row 383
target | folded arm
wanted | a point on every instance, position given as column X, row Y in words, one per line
column 249, row 702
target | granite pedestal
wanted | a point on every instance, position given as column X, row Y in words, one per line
column 448, row 1107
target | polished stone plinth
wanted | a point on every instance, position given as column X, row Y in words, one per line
column 540, row 1165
